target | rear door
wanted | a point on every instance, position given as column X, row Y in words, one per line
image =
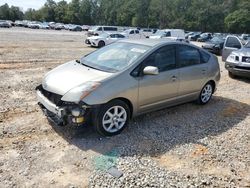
column 232, row 43
column 193, row 72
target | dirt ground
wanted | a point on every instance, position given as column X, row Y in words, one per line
column 34, row 153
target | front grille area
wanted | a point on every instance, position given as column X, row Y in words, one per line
column 53, row 97
column 246, row 59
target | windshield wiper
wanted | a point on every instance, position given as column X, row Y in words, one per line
column 86, row 65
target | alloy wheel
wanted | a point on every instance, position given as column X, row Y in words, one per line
column 114, row 119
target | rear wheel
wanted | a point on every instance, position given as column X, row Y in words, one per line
column 112, row 118
column 101, row 44
column 206, row 93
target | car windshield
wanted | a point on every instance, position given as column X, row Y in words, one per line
column 114, row 57
column 216, row 40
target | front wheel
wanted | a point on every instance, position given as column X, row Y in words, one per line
column 206, row 94
column 101, row 44
column 112, row 118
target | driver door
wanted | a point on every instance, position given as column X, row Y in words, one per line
column 232, row 43
column 155, row 91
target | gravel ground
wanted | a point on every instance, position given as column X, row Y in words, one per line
column 183, row 146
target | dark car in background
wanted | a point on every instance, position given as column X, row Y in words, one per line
column 215, row 45
column 194, row 36
column 75, row 28
column 205, row 37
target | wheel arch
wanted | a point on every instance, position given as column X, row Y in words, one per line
column 213, row 84
column 128, row 102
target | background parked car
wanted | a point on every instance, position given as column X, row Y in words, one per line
column 98, row 30
column 104, row 39
column 176, row 34
column 133, row 34
column 75, row 28
column 34, row 25
column 238, row 62
column 215, row 45
column 59, row 26
column 5, row 24
column 44, row 26
column 205, row 37
column 194, row 36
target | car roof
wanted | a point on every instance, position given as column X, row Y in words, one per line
column 151, row 42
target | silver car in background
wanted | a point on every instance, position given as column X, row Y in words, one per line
column 238, row 61
column 122, row 80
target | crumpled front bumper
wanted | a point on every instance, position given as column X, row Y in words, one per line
column 60, row 112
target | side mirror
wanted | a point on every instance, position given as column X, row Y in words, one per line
column 150, row 70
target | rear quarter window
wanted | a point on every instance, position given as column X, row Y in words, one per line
column 204, row 57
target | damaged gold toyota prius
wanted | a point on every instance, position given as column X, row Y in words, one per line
column 109, row 86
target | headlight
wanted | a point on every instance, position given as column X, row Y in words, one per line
column 231, row 58
column 217, row 46
column 78, row 93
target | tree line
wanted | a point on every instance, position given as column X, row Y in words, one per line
column 201, row 15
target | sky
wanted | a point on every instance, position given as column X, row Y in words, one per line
column 25, row 4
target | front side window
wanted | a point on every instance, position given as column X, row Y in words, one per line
column 163, row 59
column 188, row 56
column 114, row 57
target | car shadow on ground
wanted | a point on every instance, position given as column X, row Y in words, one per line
column 242, row 79
column 155, row 133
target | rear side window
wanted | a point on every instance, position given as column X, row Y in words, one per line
column 136, row 31
column 110, row 29
column 188, row 56
column 120, row 36
column 233, row 42
column 204, row 57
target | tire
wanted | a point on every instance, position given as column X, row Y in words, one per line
column 231, row 75
column 101, row 44
column 206, row 94
column 108, row 122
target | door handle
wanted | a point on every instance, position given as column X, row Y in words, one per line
column 174, row 78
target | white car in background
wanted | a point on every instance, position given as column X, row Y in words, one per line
column 176, row 34
column 133, row 34
column 104, row 39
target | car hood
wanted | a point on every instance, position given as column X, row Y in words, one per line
column 242, row 52
column 70, row 75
